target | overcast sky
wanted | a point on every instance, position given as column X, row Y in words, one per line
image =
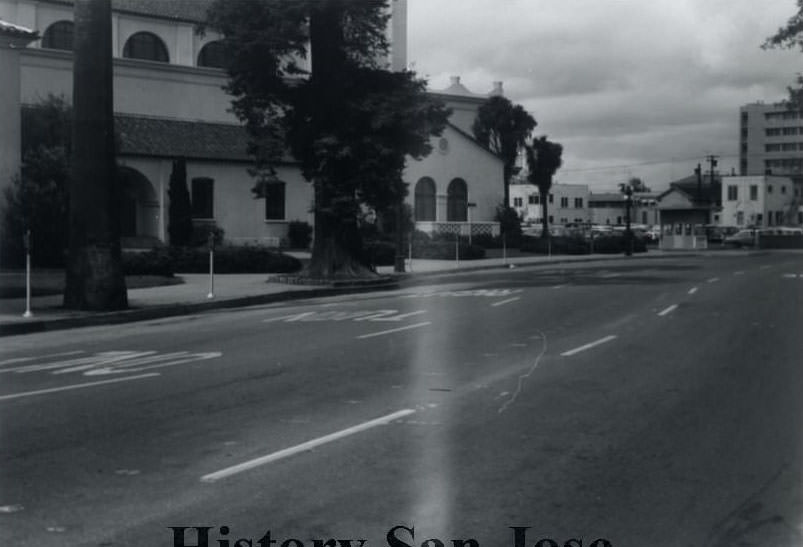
column 649, row 87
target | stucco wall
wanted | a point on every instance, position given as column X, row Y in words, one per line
column 481, row 170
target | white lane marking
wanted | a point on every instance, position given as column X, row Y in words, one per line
column 713, row 280
column 790, row 276
column 610, row 275
column 738, row 273
column 75, row 386
column 693, row 290
column 559, row 286
column 28, row 359
column 588, row 346
column 390, row 331
column 303, row 447
column 765, row 267
column 508, row 301
column 668, row 310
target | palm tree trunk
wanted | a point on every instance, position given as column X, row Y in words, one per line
column 94, row 277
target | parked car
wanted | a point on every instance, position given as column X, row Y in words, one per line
column 742, row 238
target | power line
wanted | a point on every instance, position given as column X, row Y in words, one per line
column 652, row 162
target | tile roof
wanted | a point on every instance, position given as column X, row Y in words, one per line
column 145, row 136
column 16, row 30
column 179, row 10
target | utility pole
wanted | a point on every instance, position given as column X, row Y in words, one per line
column 712, row 162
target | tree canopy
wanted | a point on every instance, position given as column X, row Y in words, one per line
column 348, row 121
column 543, row 161
column 503, row 128
column 789, row 36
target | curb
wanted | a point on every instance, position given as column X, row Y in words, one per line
column 172, row 310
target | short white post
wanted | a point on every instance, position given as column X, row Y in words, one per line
column 211, row 266
column 504, row 249
column 27, row 241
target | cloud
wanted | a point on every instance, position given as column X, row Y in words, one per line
column 622, row 81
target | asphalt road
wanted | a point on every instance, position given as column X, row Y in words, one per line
column 648, row 402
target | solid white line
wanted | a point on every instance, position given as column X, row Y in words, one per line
column 559, row 286
column 668, row 310
column 713, row 279
column 509, row 300
column 790, row 276
column 407, row 327
column 75, row 386
column 303, row 447
column 28, row 359
column 588, row 346
column 693, row 290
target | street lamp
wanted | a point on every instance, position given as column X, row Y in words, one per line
column 469, row 206
column 628, row 232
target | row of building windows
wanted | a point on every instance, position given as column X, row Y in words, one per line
column 535, row 199
column 733, row 191
column 203, row 199
column 784, row 165
column 141, row 45
column 787, row 115
column 783, row 131
column 783, row 147
column 778, row 216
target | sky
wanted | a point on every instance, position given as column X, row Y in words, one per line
column 630, row 88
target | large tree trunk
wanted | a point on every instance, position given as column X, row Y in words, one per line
column 94, row 277
column 337, row 245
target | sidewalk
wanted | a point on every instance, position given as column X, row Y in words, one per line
column 236, row 290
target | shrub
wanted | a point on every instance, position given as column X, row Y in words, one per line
column 201, row 231
column 245, row 259
column 509, row 224
column 559, row 245
column 299, row 234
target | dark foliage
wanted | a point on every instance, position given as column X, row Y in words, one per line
column 299, row 234
column 180, row 211
column 37, row 200
column 168, row 261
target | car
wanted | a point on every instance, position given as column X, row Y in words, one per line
column 742, row 238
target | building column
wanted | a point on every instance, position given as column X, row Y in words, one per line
column 13, row 39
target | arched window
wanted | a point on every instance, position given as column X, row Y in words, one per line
column 425, row 199
column 59, row 36
column 147, row 46
column 457, row 201
column 212, row 55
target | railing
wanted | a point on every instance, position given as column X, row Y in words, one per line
column 459, row 228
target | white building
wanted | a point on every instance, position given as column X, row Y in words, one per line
column 610, row 208
column 169, row 104
column 771, row 140
column 761, row 200
column 566, row 203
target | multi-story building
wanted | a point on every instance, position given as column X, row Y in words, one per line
column 761, row 200
column 771, row 140
column 169, row 104
column 566, row 203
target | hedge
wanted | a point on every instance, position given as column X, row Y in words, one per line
column 245, row 259
column 608, row 244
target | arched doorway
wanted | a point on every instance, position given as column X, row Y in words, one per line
column 425, row 200
column 457, row 201
column 139, row 206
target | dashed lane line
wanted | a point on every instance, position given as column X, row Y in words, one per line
column 588, row 346
column 75, row 386
column 508, row 301
column 303, row 447
column 713, row 280
column 390, row 331
column 668, row 310
column 693, row 290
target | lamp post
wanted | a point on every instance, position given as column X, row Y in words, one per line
column 628, row 232
column 470, row 205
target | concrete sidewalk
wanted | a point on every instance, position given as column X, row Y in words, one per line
column 236, row 290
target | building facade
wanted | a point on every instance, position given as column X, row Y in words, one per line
column 771, row 140
column 761, row 201
column 170, row 105
column 566, row 203
column 609, row 208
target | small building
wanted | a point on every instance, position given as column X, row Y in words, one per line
column 761, row 200
column 685, row 210
column 610, row 208
column 567, row 203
